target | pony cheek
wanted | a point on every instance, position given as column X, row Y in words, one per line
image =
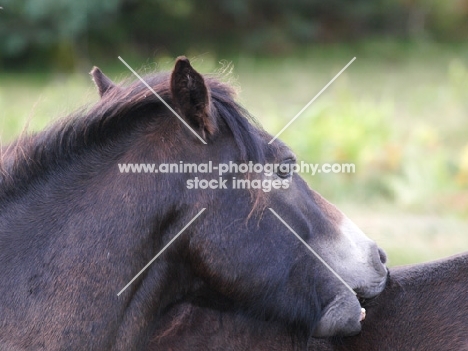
column 342, row 317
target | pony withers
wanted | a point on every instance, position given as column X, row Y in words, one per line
column 74, row 229
column 423, row 307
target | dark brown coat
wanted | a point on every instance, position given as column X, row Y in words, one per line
column 423, row 308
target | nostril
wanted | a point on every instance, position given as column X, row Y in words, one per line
column 378, row 259
column 383, row 256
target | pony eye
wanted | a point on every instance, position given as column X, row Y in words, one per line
column 286, row 169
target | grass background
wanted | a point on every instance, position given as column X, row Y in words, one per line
column 399, row 112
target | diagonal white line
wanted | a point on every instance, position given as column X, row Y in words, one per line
column 312, row 250
column 160, row 252
column 160, row 98
column 311, row 101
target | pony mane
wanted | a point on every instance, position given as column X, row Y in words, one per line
column 117, row 113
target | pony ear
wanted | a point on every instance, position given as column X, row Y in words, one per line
column 103, row 83
column 191, row 95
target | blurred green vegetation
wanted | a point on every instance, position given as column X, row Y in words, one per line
column 399, row 112
column 64, row 34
